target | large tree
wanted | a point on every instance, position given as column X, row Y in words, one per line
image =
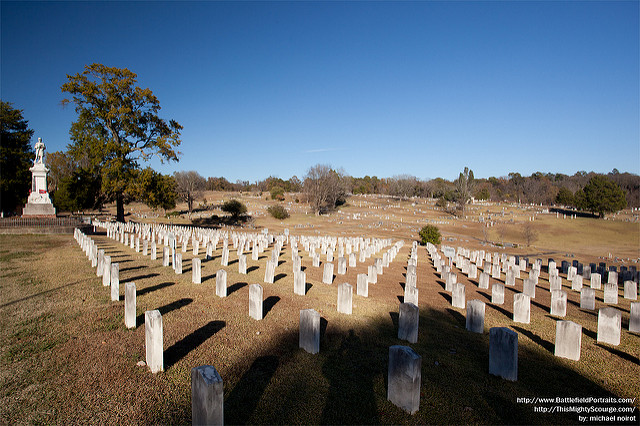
column 464, row 188
column 601, row 195
column 325, row 187
column 117, row 126
column 16, row 157
column 190, row 186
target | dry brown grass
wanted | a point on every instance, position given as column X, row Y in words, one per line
column 67, row 357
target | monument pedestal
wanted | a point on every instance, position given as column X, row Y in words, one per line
column 39, row 203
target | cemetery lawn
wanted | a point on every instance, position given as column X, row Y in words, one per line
column 67, row 357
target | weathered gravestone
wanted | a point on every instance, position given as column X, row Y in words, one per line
column 221, row 283
column 299, row 283
column 521, row 308
column 503, row 353
column 153, row 340
column 529, row 288
column 611, row 293
column 115, row 282
column 178, row 264
column 362, row 286
column 130, row 305
column 404, row 378
column 270, row 272
column 484, row 281
column 458, row 296
column 408, row 321
column 106, row 271
column 327, row 273
column 242, row 264
column 345, row 298
column 559, row 303
column 630, row 290
column 309, row 337
column 196, row 270
column 609, row 326
column 475, row 316
column 255, row 301
column 568, row 340
column 634, row 317
column 587, row 298
column 207, row 396
column 497, row 294
column 410, row 295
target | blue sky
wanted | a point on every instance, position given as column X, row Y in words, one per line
column 377, row 88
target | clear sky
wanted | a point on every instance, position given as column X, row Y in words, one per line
column 377, row 88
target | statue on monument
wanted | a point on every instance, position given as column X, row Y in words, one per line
column 39, row 152
column 39, row 202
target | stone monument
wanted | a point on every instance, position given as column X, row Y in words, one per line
column 39, row 203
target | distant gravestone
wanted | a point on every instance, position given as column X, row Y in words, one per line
column 165, row 256
column 115, row 282
column 555, row 283
column 576, row 282
column 521, row 308
column 242, row 264
column 372, row 274
column 408, row 321
column 503, row 353
column 451, row 279
column 178, row 264
column 225, row 257
column 221, row 283
column 404, row 378
column 207, row 396
column 410, row 295
column 587, row 298
column 568, row 340
column 255, row 301
column 362, row 286
column 611, row 294
column 342, row 266
column 559, row 303
column 309, row 337
column 484, row 281
column 458, row 296
column 631, row 290
column 106, row 271
column 634, row 317
column 345, row 298
column 497, row 294
column 153, row 341
column 327, row 273
column 529, row 288
column 270, row 272
column 609, row 326
column 299, row 283
column 130, row 305
column 196, row 270
column 475, row 316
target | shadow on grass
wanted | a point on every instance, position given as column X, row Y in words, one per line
column 243, row 399
column 140, row 277
column 181, row 348
column 252, row 268
column 619, row 353
column 235, row 287
column 279, row 277
column 446, row 296
column 133, row 268
column 539, row 340
column 501, row 309
column 268, row 304
column 166, row 309
column 458, row 317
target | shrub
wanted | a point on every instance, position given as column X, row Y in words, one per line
column 235, row 208
column 278, row 212
column 430, row 234
column 277, row 193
